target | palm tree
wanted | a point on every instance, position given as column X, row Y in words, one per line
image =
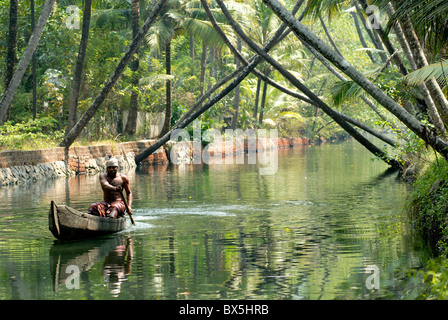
column 135, row 44
column 434, row 98
column 405, row 117
column 160, row 39
column 34, row 61
column 73, row 105
column 131, row 124
column 12, row 48
column 430, row 21
column 262, row 25
column 25, row 60
column 179, row 17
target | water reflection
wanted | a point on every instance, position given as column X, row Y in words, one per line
column 222, row 232
column 76, row 259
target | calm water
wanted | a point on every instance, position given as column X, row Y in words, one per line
column 222, row 232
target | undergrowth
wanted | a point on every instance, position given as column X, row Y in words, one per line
column 427, row 206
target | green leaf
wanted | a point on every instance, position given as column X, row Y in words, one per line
column 438, row 70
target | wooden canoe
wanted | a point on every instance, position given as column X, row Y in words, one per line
column 66, row 223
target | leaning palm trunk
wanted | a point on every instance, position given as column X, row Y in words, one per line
column 318, row 102
column 12, row 47
column 73, row 107
column 432, row 109
column 90, row 112
column 361, row 37
column 436, row 93
column 237, row 76
column 379, row 32
column 167, row 121
column 372, row 35
column 425, row 133
column 26, row 58
column 131, row 124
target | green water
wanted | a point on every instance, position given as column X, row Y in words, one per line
column 222, row 232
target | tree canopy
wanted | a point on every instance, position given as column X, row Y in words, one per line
column 346, row 67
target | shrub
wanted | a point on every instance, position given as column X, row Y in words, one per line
column 32, row 134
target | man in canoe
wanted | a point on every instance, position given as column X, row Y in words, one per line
column 112, row 184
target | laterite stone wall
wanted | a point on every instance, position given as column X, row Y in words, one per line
column 19, row 166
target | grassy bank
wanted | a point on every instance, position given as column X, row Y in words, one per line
column 43, row 133
column 427, row 206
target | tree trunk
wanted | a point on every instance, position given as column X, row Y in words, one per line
column 361, row 37
column 131, row 124
column 401, row 38
column 257, row 97
column 236, row 101
column 279, row 35
column 73, row 107
column 390, row 48
column 412, row 123
column 434, row 89
column 203, row 68
column 347, row 127
column 74, row 133
column 167, row 122
column 25, row 60
column 263, row 102
column 372, row 35
column 329, row 35
column 34, row 61
column 239, row 76
column 12, row 48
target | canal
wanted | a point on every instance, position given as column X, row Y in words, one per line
column 329, row 224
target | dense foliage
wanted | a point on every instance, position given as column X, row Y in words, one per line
column 110, row 34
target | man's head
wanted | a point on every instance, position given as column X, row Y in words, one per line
column 112, row 167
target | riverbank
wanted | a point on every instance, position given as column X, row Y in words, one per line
column 427, row 207
column 19, row 166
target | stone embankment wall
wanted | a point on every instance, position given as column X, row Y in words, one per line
column 17, row 167
column 20, row 166
column 186, row 152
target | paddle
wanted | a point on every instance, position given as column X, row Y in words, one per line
column 127, row 208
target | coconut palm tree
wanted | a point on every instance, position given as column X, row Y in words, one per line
column 25, row 59
column 12, row 47
column 131, row 124
column 421, row 130
column 99, row 99
column 76, row 85
column 179, row 17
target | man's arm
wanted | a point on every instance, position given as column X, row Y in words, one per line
column 107, row 186
column 127, row 188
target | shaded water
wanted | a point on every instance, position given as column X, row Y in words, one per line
column 222, row 232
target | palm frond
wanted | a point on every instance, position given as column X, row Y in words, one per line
column 344, row 91
column 429, row 18
column 290, row 115
column 148, row 82
column 438, row 70
column 316, row 8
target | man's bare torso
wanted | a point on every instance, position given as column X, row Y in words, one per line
column 109, row 195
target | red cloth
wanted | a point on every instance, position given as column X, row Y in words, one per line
column 104, row 208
